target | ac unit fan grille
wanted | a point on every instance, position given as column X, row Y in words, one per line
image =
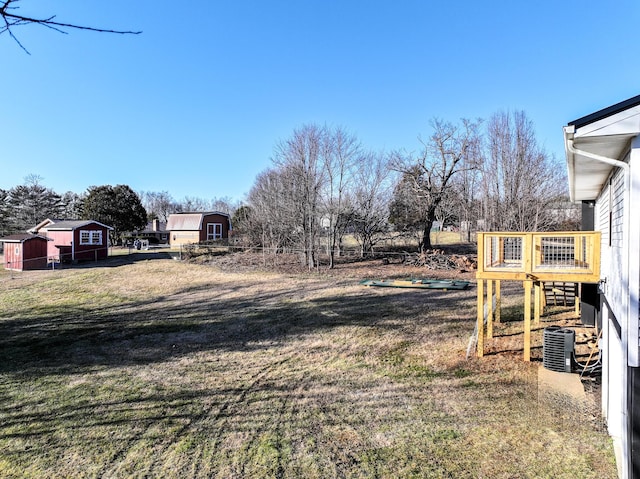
column 557, row 348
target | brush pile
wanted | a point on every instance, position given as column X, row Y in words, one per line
column 439, row 260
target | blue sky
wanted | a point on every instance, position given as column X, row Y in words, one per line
column 196, row 103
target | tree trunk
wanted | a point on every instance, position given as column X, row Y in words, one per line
column 426, row 236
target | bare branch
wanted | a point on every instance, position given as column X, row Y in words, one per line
column 12, row 19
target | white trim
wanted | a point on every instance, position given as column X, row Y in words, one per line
column 94, row 237
column 622, row 123
column 218, row 231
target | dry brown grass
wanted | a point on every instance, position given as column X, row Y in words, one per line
column 163, row 369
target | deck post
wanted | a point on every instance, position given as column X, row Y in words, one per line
column 490, row 308
column 480, row 318
column 498, row 301
column 537, row 302
column 527, row 320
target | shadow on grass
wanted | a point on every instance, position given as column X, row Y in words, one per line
column 123, row 259
column 70, row 339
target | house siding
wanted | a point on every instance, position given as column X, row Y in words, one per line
column 602, row 225
column 60, row 238
column 610, row 222
column 617, row 213
column 34, row 254
column 13, row 256
column 89, row 252
column 617, row 290
column 179, row 238
column 633, row 373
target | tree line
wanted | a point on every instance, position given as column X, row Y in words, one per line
column 471, row 175
column 324, row 184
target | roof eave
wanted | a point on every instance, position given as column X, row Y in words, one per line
column 602, row 136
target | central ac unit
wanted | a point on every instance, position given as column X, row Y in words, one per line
column 557, row 348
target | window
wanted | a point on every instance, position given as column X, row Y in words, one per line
column 214, row 231
column 90, row 237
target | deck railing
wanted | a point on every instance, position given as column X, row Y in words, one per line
column 534, row 258
column 554, row 256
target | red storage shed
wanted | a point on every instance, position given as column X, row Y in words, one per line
column 75, row 240
column 25, row 251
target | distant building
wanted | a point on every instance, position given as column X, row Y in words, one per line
column 155, row 230
column 25, row 251
column 186, row 228
column 74, row 240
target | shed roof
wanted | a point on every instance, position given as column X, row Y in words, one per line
column 190, row 221
column 22, row 237
column 68, row 225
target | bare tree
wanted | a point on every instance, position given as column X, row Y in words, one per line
column 159, row 204
column 522, row 184
column 298, row 160
column 271, row 216
column 370, row 200
column 224, row 205
column 426, row 178
column 341, row 152
column 466, row 191
column 11, row 18
column 191, row 203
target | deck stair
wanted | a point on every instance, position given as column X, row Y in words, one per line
column 560, row 293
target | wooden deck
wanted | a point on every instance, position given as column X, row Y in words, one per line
column 534, row 259
column 558, row 256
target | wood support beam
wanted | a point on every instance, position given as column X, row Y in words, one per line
column 537, row 302
column 480, row 318
column 490, row 309
column 498, row 301
column 527, row 320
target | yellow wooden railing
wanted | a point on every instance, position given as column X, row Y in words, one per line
column 533, row 258
column 558, row 256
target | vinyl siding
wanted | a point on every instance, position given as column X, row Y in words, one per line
column 619, row 289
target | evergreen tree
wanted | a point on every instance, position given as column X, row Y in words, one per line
column 4, row 213
column 31, row 203
column 116, row 206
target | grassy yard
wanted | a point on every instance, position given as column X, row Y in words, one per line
column 163, row 369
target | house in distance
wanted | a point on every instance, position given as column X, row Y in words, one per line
column 74, row 240
column 188, row 228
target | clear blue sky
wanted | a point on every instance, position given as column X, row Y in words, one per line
column 196, row 103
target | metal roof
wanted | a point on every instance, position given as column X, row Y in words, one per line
column 69, row 225
column 22, row 237
column 189, row 221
